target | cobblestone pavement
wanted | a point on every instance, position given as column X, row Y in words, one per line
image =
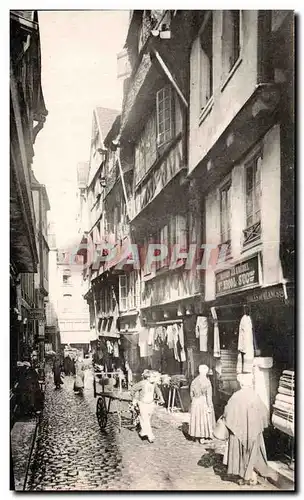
column 22, row 436
column 72, row 453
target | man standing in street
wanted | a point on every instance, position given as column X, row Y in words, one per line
column 143, row 393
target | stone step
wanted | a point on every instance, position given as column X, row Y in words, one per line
column 284, row 475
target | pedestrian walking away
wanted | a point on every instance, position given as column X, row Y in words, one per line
column 57, row 372
column 246, row 417
column 143, row 394
column 67, row 364
column 202, row 418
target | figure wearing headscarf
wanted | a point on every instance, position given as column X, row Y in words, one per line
column 79, row 379
column 202, row 418
column 143, row 394
column 246, row 417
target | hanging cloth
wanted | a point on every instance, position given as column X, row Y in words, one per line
column 158, row 338
column 116, row 350
column 164, row 334
column 151, row 336
column 218, row 367
column 245, row 346
column 143, row 342
column 170, row 337
column 175, row 340
column 109, row 347
column 216, row 335
column 182, row 342
column 202, row 332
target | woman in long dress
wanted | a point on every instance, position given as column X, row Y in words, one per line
column 79, row 379
column 202, row 418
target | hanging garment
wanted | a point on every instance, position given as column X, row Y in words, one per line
column 170, row 337
column 116, row 350
column 158, row 338
column 175, row 340
column 218, row 367
column 245, row 345
column 179, row 350
column 110, row 347
column 216, row 341
column 202, row 332
column 182, row 343
column 164, row 334
column 183, row 355
column 151, row 336
column 143, row 342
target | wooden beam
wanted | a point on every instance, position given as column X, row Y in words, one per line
column 170, row 77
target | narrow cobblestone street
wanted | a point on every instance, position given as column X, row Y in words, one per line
column 72, row 453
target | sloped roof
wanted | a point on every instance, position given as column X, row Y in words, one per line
column 106, row 117
column 103, row 119
column 113, row 132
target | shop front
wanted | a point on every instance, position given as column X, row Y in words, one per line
column 255, row 327
column 171, row 343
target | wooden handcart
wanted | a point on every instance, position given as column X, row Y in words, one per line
column 111, row 398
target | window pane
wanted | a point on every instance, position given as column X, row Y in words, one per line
column 164, row 123
column 231, row 39
column 167, row 125
column 225, row 213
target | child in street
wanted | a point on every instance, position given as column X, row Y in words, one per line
column 143, row 394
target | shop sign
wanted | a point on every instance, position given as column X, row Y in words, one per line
column 267, row 294
column 239, row 277
column 37, row 314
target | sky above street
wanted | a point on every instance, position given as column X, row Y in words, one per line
column 79, row 68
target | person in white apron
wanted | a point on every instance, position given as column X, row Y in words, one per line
column 143, row 394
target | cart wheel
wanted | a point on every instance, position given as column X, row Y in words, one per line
column 101, row 412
